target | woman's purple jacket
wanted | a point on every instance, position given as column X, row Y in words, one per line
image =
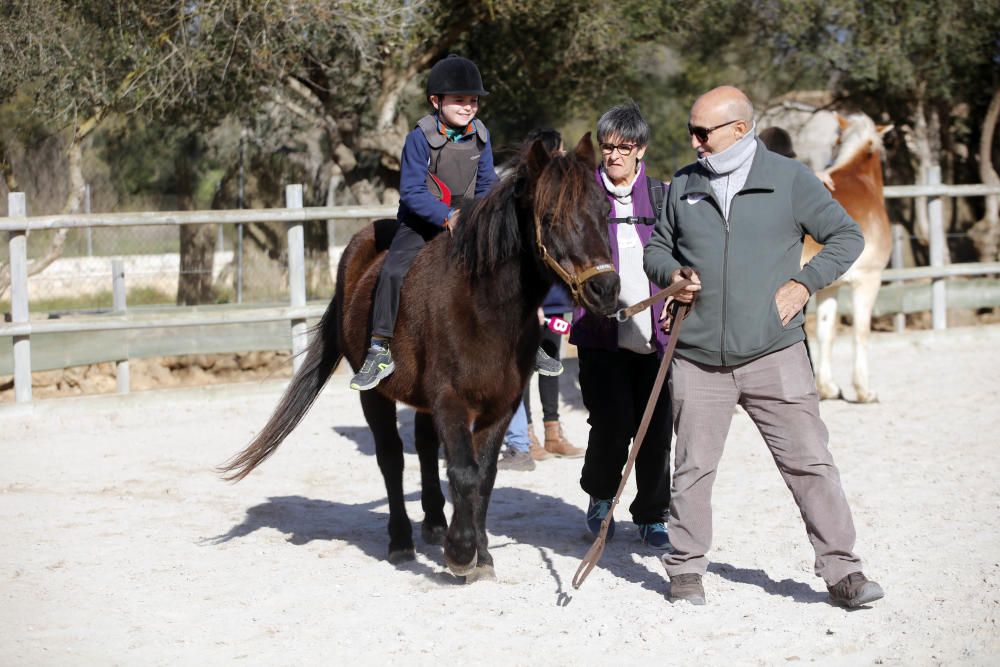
column 602, row 332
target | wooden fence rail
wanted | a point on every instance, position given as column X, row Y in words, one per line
column 20, row 329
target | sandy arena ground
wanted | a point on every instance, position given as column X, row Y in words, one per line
column 120, row 546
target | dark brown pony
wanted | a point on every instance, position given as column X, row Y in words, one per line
column 465, row 340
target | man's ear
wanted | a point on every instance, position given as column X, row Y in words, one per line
column 435, row 101
column 585, row 151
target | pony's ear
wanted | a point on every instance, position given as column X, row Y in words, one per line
column 536, row 159
column 841, row 121
column 883, row 129
column 585, row 151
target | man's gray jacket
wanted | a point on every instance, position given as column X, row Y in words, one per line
column 743, row 261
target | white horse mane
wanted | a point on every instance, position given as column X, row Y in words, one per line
column 854, row 137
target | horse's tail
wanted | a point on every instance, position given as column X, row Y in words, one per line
column 322, row 357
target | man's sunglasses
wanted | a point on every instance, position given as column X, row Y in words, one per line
column 623, row 149
column 702, row 132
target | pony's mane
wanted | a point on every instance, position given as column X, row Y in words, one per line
column 854, row 140
column 489, row 233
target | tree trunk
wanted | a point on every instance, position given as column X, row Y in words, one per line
column 985, row 233
column 197, row 242
column 194, row 284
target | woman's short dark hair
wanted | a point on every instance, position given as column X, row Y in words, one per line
column 624, row 121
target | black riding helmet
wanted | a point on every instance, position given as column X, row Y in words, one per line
column 455, row 75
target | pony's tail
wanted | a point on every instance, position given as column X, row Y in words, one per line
column 322, row 357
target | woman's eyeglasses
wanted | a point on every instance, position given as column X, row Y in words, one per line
column 702, row 132
column 623, row 149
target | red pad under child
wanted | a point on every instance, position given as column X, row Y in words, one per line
column 445, row 195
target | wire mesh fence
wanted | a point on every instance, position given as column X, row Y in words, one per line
column 241, row 268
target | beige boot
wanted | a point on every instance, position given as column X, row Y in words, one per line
column 537, row 451
column 556, row 443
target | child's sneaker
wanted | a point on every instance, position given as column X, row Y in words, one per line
column 546, row 365
column 377, row 365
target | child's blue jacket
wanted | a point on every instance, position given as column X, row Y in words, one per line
column 416, row 203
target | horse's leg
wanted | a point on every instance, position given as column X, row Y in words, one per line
column 826, row 327
column 452, row 421
column 488, row 442
column 866, row 286
column 435, row 524
column 380, row 413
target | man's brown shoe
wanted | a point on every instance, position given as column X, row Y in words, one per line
column 537, row 451
column 855, row 590
column 556, row 443
column 687, row 587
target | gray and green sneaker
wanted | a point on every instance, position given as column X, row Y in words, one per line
column 546, row 365
column 377, row 365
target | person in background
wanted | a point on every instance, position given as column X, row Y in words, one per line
column 557, row 304
column 619, row 361
column 521, row 446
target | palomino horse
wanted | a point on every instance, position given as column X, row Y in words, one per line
column 857, row 177
column 465, row 340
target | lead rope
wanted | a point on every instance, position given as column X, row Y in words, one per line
column 593, row 555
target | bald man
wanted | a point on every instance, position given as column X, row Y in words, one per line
column 736, row 216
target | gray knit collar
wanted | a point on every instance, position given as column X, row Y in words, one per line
column 731, row 159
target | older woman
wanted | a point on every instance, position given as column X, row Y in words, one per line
column 619, row 361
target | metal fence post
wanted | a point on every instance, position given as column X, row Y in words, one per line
column 935, row 215
column 239, row 226
column 90, row 230
column 120, row 307
column 18, row 243
column 296, row 273
column 896, row 262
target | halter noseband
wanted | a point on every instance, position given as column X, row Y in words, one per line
column 574, row 281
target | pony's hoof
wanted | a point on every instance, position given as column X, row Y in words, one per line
column 868, row 397
column 481, row 573
column 460, row 570
column 432, row 534
column 831, row 394
column 397, row 556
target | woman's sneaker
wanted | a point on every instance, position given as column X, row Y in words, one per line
column 654, row 535
column 377, row 365
column 597, row 509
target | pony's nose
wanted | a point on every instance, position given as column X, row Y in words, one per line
column 602, row 293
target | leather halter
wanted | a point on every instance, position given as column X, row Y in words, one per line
column 574, row 281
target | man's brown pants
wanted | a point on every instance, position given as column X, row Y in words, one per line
column 779, row 394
